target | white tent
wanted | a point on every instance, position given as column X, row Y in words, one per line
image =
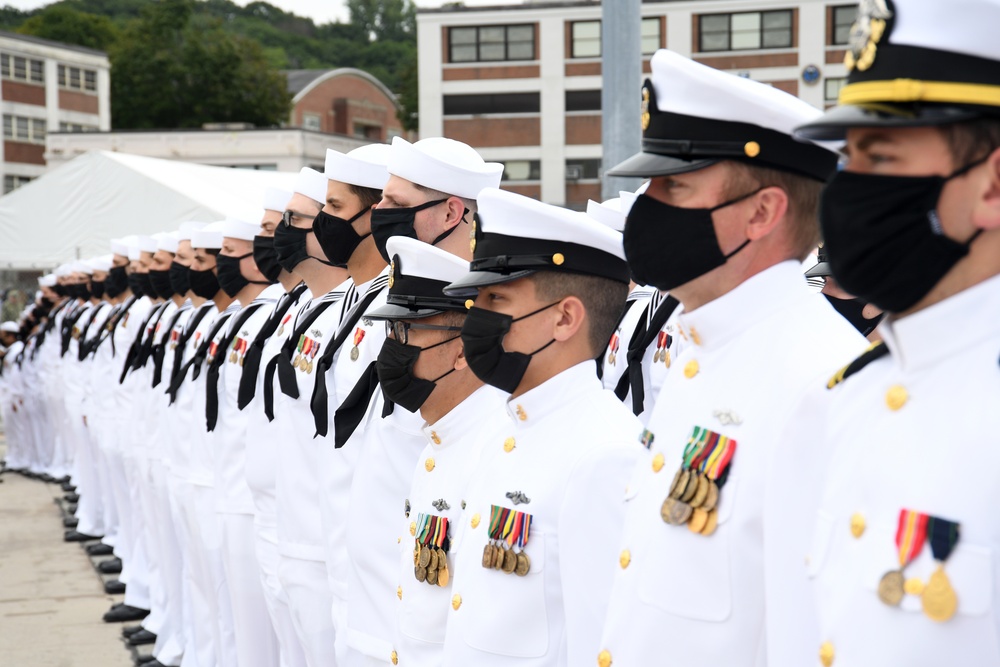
column 75, row 209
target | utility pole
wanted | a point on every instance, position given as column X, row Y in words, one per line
column 621, row 73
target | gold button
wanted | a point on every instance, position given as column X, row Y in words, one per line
column 558, row 259
column 896, row 397
column 398, row 540
column 826, row 654
column 857, row 525
column 435, row 438
column 429, row 465
column 752, row 149
column 658, row 463
column 456, row 601
column 394, row 658
column 475, row 520
column 413, row 528
column 508, row 445
column 604, row 658
column 521, row 414
column 691, row 369
column 469, row 303
column 913, row 586
column 399, row 592
column 625, row 558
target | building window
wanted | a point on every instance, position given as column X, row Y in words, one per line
column 490, row 43
column 11, row 182
column 650, row 36
column 843, row 19
column 22, row 69
column 19, row 128
column 368, row 131
column 832, row 88
column 586, row 38
column 586, row 169
column 76, row 78
column 76, row 127
column 522, row 170
column 311, row 121
column 583, row 100
column 745, row 31
column 476, row 105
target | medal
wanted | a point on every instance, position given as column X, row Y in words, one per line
column 911, row 532
column 523, row 564
column 508, row 534
column 359, row 335
column 430, row 550
column 613, row 348
column 939, row 600
column 694, row 492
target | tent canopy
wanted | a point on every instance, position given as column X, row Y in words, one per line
column 74, row 210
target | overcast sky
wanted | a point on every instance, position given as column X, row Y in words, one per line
column 320, row 11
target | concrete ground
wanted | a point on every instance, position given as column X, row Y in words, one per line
column 51, row 597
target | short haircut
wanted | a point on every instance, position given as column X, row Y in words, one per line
column 803, row 201
column 971, row 140
column 437, row 194
column 368, row 196
column 602, row 298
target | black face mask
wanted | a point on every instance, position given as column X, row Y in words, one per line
column 116, row 282
column 204, row 283
column 389, row 222
column 290, row 245
column 160, row 280
column 139, row 284
column 667, row 246
column 180, row 278
column 97, row 288
column 337, row 237
column 80, row 291
column 884, row 238
column 266, row 257
column 395, row 373
column 851, row 310
column 231, row 278
column 60, row 290
column 482, row 334
column 46, row 302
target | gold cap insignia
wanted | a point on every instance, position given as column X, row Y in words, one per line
column 645, row 108
column 752, row 149
column 865, row 34
column 392, row 273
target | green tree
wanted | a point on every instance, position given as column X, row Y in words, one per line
column 62, row 23
column 170, row 71
column 385, row 20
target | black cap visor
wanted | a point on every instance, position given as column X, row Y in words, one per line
column 833, row 125
column 647, row 165
column 469, row 284
column 390, row 312
column 821, row 270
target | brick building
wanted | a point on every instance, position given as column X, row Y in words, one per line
column 522, row 83
column 46, row 86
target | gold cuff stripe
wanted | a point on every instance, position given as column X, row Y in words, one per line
column 912, row 90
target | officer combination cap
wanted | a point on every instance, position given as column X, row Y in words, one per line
column 822, row 267
column 310, row 183
column 167, row 241
column 209, row 237
column 365, row 167
column 694, row 115
column 235, row 227
column 515, row 236
column 444, row 165
column 916, row 63
column 608, row 213
column 276, row 199
column 418, row 274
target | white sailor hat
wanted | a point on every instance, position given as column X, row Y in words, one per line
column 444, row 165
column 694, row 115
column 608, row 213
column 917, row 63
column 276, row 199
column 167, row 241
column 10, row 327
column 62, row 271
column 102, row 263
column 119, row 247
column 187, row 229
column 48, row 280
column 80, row 266
column 312, row 184
column 515, row 236
column 418, row 274
column 145, row 244
column 235, row 227
column 209, row 237
column 364, row 166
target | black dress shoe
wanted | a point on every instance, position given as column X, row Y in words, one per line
column 47, row 478
column 110, row 566
column 142, row 637
column 68, row 487
column 125, row 613
column 62, row 480
column 71, row 508
column 70, row 522
column 130, row 630
column 75, row 536
column 100, row 549
column 72, row 497
column 114, row 587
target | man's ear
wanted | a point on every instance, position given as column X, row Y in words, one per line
column 986, row 210
column 460, row 362
column 456, row 210
column 572, row 316
column 769, row 207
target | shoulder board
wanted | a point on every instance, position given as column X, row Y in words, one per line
column 874, row 351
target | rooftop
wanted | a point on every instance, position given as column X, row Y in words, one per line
column 49, row 42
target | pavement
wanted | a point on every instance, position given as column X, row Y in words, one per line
column 51, row 596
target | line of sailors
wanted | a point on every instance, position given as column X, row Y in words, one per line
column 369, row 428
